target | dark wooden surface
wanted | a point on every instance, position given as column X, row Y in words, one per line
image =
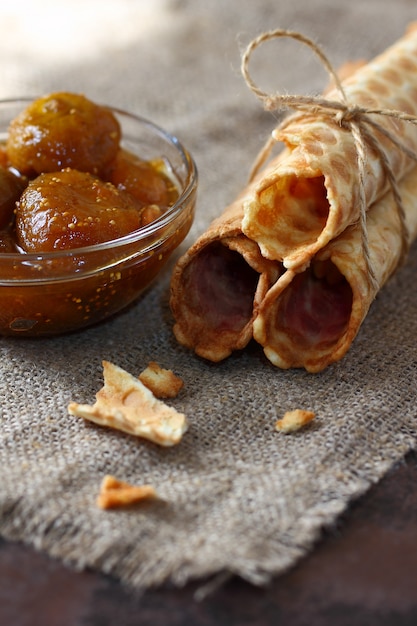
column 363, row 572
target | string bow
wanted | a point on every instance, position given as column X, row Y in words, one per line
column 357, row 119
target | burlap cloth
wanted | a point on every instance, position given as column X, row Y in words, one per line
column 236, row 496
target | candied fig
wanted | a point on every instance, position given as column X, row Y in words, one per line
column 7, row 242
column 72, row 209
column 142, row 179
column 63, row 130
column 4, row 159
column 11, row 186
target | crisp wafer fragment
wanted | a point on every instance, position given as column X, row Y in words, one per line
column 124, row 403
column 294, row 420
column 162, row 382
column 116, row 493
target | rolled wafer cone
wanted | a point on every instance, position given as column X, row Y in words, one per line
column 217, row 286
column 313, row 195
column 310, row 319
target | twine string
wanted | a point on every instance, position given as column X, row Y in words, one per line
column 356, row 119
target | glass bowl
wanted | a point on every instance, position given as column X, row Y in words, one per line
column 58, row 292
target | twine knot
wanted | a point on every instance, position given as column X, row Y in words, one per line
column 359, row 121
column 348, row 115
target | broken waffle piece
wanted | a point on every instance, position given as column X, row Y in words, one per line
column 294, row 420
column 126, row 404
column 162, row 382
column 116, row 493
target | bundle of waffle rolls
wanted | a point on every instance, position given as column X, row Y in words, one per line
column 285, row 263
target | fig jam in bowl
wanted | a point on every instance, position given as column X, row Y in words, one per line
column 64, row 284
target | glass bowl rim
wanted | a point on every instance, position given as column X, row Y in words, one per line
column 138, row 235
